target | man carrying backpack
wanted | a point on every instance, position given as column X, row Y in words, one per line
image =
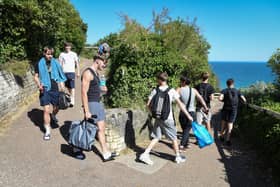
column 230, row 96
column 160, row 105
column 206, row 90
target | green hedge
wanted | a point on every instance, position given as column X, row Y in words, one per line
column 262, row 131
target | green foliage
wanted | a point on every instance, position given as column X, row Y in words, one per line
column 18, row 68
column 274, row 63
column 139, row 53
column 29, row 25
column 263, row 132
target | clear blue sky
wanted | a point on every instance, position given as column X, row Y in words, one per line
column 238, row 30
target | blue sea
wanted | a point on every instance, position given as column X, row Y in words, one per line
column 244, row 73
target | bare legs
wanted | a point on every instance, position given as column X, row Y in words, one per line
column 226, row 129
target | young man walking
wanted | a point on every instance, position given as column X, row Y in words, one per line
column 206, row 90
column 167, row 126
column 48, row 74
column 91, row 96
column 69, row 60
column 188, row 96
column 230, row 96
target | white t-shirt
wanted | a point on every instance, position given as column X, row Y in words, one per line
column 68, row 60
column 173, row 95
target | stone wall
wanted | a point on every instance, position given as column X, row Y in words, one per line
column 13, row 90
column 126, row 128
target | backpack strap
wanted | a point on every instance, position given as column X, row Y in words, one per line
column 189, row 100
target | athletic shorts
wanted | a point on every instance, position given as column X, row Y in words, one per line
column 229, row 115
column 49, row 97
column 97, row 109
column 166, row 127
column 203, row 117
column 70, row 82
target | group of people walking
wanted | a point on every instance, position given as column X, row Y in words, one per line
column 52, row 76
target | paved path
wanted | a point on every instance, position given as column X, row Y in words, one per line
column 27, row 160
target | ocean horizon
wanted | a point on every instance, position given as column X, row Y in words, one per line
column 245, row 73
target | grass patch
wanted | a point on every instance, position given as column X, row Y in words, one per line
column 18, row 68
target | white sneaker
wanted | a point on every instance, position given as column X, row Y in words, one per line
column 180, row 159
column 146, row 159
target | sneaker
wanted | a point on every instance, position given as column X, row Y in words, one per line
column 47, row 137
column 180, row 159
column 228, row 143
column 109, row 157
column 146, row 159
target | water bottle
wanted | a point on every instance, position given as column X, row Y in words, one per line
column 102, row 84
column 102, row 80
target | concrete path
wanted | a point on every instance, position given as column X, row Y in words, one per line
column 27, row 160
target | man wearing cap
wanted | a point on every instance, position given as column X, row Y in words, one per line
column 69, row 60
column 91, row 96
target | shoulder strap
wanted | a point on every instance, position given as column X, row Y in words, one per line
column 189, row 100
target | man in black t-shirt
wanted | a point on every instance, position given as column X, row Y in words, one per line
column 206, row 90
column 230, row 96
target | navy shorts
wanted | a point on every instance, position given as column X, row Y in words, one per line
column 70, row 82
column 49, row 97
column 97, row 109
column 229, row 115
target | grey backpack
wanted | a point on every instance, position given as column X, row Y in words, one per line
column 82, row 134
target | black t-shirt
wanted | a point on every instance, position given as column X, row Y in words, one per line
column 205, row 90
column 54, row 86
column 231, row 98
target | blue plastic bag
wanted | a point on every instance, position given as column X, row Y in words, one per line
column 202, row 135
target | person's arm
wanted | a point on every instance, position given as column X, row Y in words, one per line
column 183, row 109
column 200, row 99
column 37, row 81
column 87, row 77
column 221, row 97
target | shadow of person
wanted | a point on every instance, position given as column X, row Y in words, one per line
column 37, row 118
column 64, row 130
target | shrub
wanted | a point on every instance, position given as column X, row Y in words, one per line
column 139, row 53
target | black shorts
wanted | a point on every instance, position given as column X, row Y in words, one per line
column 229, row 115
column 70, row 82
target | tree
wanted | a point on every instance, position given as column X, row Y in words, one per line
column 274, row 63
column 29, row 25
column 139, row 53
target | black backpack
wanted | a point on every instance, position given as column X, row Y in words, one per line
column 231, row 99
column 63, row 101
column 160, row 104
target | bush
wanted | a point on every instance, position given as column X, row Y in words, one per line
column 29, row 25
column 138, row 54
column 263, row 132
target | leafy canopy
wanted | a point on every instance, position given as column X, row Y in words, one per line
column 139, row 53
column 29, row 25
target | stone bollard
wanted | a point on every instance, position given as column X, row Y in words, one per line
column 123, row 128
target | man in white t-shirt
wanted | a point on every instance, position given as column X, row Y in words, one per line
column 166, row 127
column 69, row 60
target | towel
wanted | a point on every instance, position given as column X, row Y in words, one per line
column 56, row 73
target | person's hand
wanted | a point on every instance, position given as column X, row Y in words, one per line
column 88, row 115
column 41, row 88
column 206, row 110
column 104, row 89
column 190, row 118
